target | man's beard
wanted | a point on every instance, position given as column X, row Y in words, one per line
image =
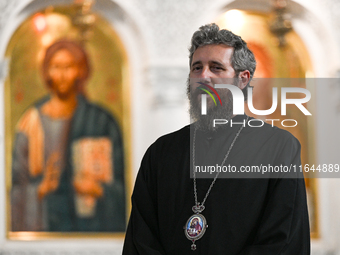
column 224, row 111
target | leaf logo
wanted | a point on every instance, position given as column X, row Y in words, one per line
column 213, row 90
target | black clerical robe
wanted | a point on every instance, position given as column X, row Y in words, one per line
column 244, row 216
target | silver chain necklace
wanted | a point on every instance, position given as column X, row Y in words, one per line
column 196, row 225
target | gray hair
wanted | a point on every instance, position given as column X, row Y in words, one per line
column 242, row 58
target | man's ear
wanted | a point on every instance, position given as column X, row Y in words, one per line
column 244, row 78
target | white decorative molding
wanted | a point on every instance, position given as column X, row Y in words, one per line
column 168, row 85
column 334, row 8
column 6, row 8
column 3, row 69
column 171, row 23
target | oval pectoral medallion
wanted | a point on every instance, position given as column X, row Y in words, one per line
column 194, row 228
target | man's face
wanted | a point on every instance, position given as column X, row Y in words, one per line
column 211, row 64
column 63, row 71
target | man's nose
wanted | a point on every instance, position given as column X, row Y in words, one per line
column 205, row 75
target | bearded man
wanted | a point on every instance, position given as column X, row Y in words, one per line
column 245, row 215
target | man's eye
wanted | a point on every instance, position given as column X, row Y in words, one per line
column 196, row 68
column 216, row 68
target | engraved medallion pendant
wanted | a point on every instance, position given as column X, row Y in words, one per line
column 195, row 228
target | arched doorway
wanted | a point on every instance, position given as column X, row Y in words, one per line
column 278, row 66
